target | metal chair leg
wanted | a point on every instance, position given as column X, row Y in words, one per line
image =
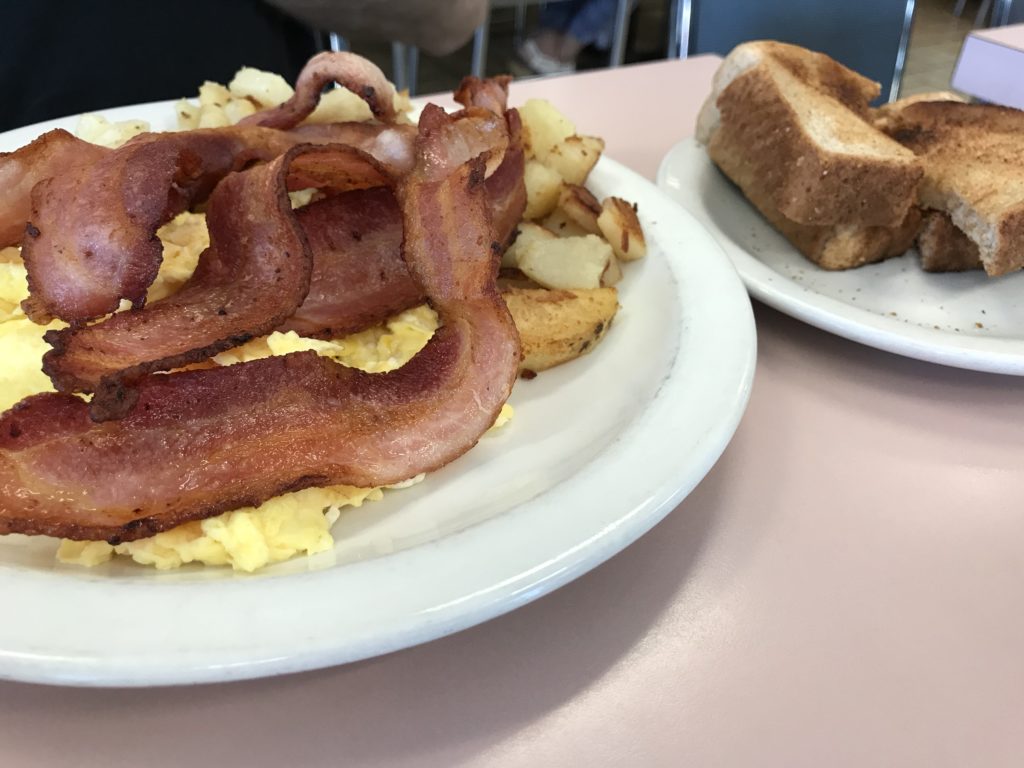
column 337, row 42
column 398, row 66
column 520, row 22
column 479, row 65
column 982, row 17
column 901, row 53
column 1001, row 13
column 618, row 53
column 680, row 14
column 412, row 68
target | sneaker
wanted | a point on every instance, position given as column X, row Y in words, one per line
column 541, row 63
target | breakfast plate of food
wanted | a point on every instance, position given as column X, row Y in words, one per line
column 900, row 227
column 292, row 379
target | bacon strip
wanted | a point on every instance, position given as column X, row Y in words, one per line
column 360, row 76
column 254, row 275
column 201, row 442
column 359, row 277
column 392, row 145
column 491, row 94
column 91, row 241
column 506, row 188
column 21, row 170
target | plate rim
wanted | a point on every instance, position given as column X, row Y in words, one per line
column 845, row 320
column 732, row 387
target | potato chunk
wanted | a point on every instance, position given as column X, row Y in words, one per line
column 575, row 157
column 340, row 105
column 567, row 262
column 558, row 326
column 580, row 207
column 612, row 273
column 621, row 227
column 265, row 88
column 528, row 233
column 562, row 225
column 543, row 127
column 542, row 189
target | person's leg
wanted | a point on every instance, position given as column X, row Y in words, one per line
column 592, row 25
column 558, row 15
column 554, row 20
column 542, row 51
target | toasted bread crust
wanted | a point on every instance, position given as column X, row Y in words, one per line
column 822, row 164
column 830, row 246
column 819, row 71
column 825, row 74
column 943, row 247
column 974, row 171
column 886, row 116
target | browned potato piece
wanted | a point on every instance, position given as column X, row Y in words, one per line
column 557, row 326
column 527, row 233
column 612, row 273
column 580, row 207
column 575, row 157
column 562, row 225
column 621, row 227
column 567, row 263
column 542, row 189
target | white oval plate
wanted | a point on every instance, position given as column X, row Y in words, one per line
column 599, row 451
column 965, row 319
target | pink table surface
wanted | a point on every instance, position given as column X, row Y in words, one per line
column 846, row 587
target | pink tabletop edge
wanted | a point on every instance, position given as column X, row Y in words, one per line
column 844, row 588
column 1012, row 35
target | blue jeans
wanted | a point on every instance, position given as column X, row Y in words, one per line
column 589, row 21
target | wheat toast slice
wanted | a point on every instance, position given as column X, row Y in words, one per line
column 973, row 156
column 799, row 120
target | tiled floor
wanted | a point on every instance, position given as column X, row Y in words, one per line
column 935, row 42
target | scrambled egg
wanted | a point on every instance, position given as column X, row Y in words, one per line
column 245, row 539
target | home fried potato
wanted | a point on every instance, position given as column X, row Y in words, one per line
column 543, row 128
column 558, row 222
column 566, row 262
column 543, row 187
column 612, row 273
column 266, row 89
column 575, row 157
column 580, row 207
column 526, row 233
column 621, row 227
column 558, row 326
column 340, row 105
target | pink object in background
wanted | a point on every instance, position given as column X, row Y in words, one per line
column 991, row 66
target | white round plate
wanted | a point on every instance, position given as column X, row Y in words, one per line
column 599, row 451
column 965, row 319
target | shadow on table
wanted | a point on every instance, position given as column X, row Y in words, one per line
column 441, row 702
